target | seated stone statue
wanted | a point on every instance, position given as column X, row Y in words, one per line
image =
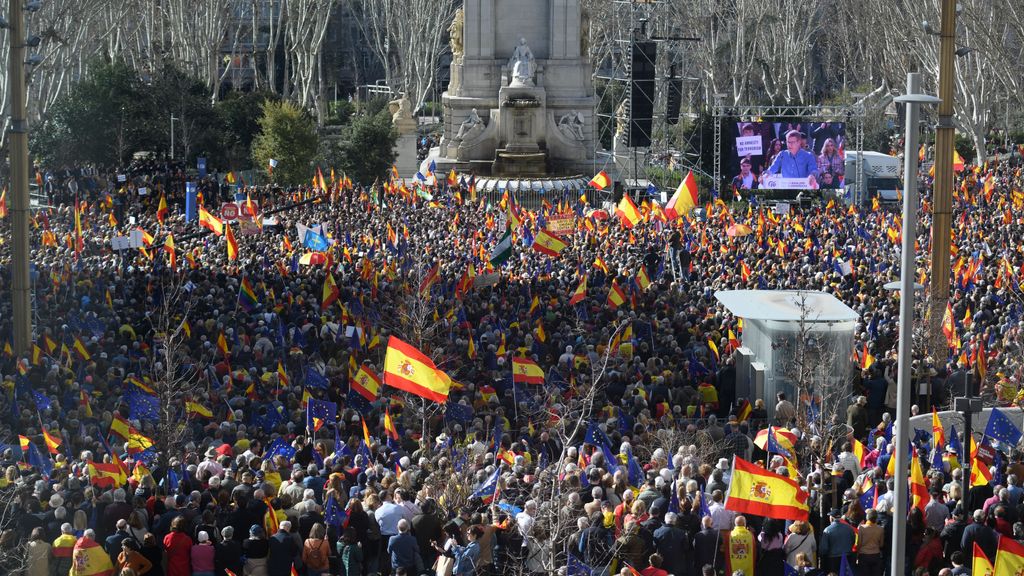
column 522, row 64
column 471, row 127
column 571, row 125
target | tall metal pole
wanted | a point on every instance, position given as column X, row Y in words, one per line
column 21, row 299
column 942, row 187
column 913, row 101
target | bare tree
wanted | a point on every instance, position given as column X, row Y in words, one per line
column 408, row 36
column 305, row 25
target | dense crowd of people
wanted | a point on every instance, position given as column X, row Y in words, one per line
column 161, row 423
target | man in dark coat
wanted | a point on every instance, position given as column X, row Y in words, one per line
column 283, row 551
column 706, row 545
column 671, row 543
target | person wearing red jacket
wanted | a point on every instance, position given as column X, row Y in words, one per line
column 178, row 546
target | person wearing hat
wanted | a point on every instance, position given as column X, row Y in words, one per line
column 203, row 554
column 255, row 551
column 837, row 540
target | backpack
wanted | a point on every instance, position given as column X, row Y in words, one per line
column 316, row 556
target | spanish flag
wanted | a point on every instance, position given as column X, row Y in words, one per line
column 106, row 475
column 744, row 412
column 52, row 443
column 389, row 426
column 526, row 371
column 685, row 198
column 643, row 281
column 600, row 180
column 859, row 450
column 197, row 409
column 161, row 210
column 406, row 368
column 222, row 345
column 120, row 426
column 366, row 432
column 137, row 442
column 754, row 490
column 616, row 297
column 83, row 402
column 580, row 293
column 331, row 292
column 89, row 559
column 231, row 243
column 918, row 488
column 547, row 243
column 210, row 222
column 981, row 566
column 80, row 349
column 1009, row 557
column 627, row 211
column 366, row 383
column 172, row 255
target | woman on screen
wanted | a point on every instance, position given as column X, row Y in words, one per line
column 831, row 166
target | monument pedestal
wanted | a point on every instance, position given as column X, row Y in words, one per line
column 406, row 161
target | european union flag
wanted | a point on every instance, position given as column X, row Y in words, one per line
column 279, row 448
column 456, row 412
column 356, row 402
column 315, row 379
column 42, row 402
column 673, row 501
column 334, row 515
column 844, row 567
column 142, row 406
column 44, row 465
column 1001, row 428
column 576, row 567
column 789, row 570
column 704, row 509
column 320, row 412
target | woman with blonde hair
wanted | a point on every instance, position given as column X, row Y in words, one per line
column 800, row 541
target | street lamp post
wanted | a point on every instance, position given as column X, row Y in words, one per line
column 913, row 100
column 21, row 294
column 173, row 118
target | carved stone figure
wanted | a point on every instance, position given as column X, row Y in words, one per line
column 455, row 35
column 522, row 64
column 401, row 115
column 571, row 125
column 471, row 127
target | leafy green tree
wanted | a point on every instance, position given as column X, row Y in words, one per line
column 367, row 149
column 238, row 114
column 97, row 121
column 287, row 135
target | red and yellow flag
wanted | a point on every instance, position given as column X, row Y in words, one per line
column 161, row 210
column 580, row 293
column 526, row 371
column 600, row 180
column 89, row 559
column 754, row 490
column 210, row 222
column 684, row 199
column 981, row 566
column 918, row 488
column 331, row 292
column 406, row 368
column 549, row 244
column 1009, row 558
column 231, row 243
column 389, row 426
column 366, row 383
column 627, row 212
column 616, row 296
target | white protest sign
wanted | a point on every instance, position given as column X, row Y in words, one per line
column 748, row 146
column 118, row 243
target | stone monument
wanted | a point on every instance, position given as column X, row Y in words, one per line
column 405, row 125
column 520, row 102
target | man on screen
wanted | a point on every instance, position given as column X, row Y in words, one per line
column 745, row 180
column 795, row 162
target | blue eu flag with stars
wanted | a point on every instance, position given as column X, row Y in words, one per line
column 1001, row 428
